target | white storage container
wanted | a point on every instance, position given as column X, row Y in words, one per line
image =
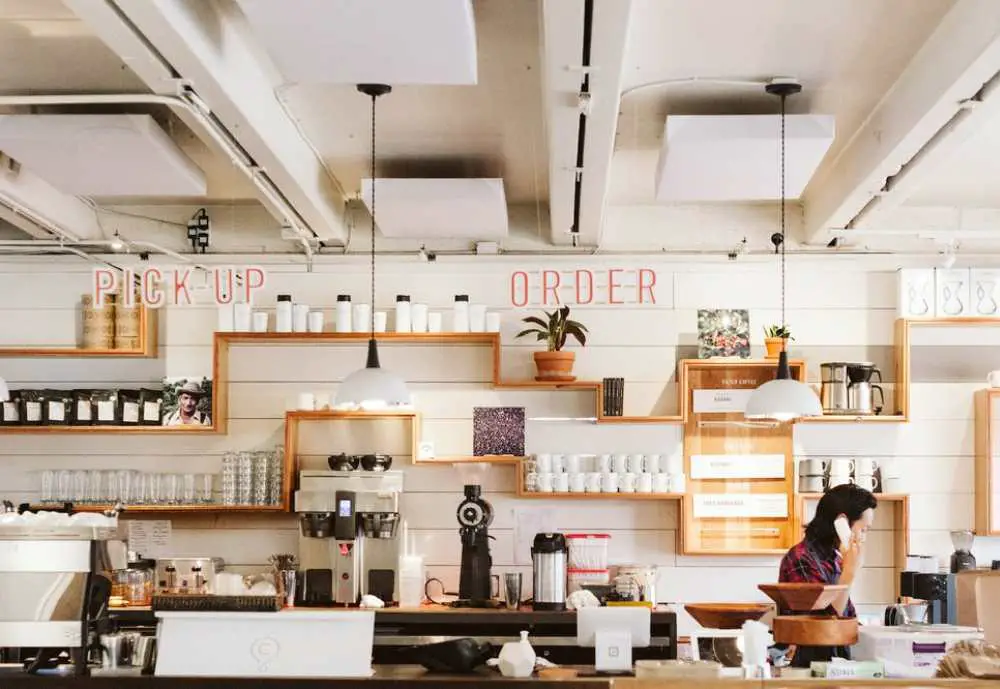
column 576, row 578
column 588, row 550
column 344, row 313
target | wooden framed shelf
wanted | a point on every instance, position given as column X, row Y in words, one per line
column 846, row 418
column 166, row 509
column 472, row 459
column 882, row 497
column 597, row 496
column 147, row 344
column 108, row 430
column 641, row 419
column 987, row 414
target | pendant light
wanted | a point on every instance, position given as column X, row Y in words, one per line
column 784, row 398
column 4, row 390
column 372, row 387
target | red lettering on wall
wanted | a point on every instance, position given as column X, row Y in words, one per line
column 152, row 294
column 584, row 278
column 105, row 282
column 612, row 285
column 550, row 283
column 647, row 281
column 519, row 288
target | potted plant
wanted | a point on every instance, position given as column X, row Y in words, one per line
column 775, row 337
column 555, row 364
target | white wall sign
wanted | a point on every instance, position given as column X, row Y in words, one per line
column 745, row 505
column 721, row 401
column 149, row 538
column 707, row 467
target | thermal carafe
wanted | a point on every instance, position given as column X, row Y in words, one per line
column 549, row 554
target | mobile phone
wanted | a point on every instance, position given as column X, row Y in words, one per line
column 843, row 530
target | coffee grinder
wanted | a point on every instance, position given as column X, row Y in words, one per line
column 474, row 517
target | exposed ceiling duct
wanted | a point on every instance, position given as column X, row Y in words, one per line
column 363, row 41
column 439, row 208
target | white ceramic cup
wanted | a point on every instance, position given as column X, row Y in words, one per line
column 841, row 465
column 866, row 481
column 839, row 480
column 593, row 484
column 635, row 464
column 677, row 483
column 573, row 464
column 627, row 483
column 546, row 482
column 661, row 483
column 674, row 464
column 577, row 482
column 892, row 485
column 810, row 484
column 531, row 482
column 359, row 318
column 434, row 322
column 651, row 464
column 865, row 466
column 544, row 463
column 602, row 463
column 889, row 468
column 558, row 464
column 381, row 321
column 609, row 483
column 260, row 319
column 306, row 401
column 993, row 379
column 645, row 483
column 315, row 320
column 812, row 467
column 620, row 463
column 560, row 483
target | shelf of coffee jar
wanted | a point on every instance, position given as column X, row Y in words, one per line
column 164, row 509
column 148, row 336
column 125, row 430
column 538, row 495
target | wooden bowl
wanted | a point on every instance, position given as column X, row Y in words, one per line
column 815, row 630
column 725, row 615
column 802, row 597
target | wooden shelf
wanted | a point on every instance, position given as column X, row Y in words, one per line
column 641, row 419
column 147, row 349
column 597, row 496
column 847, row 418
column 986, row 518
column 334, row 414
column 882, row 497
column 166, row 509
column 331, row 337
column 472, row 459
column 547, row 385
column 122, row 430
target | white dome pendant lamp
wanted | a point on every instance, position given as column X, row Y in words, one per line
column 4, row 390
column 784, row 398
column 372, row 387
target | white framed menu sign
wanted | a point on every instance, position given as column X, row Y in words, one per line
column 733, row 466
column 741, row 505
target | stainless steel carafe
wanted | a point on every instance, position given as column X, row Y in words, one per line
column 847, row 388
column 833, row 391
column 549, row 554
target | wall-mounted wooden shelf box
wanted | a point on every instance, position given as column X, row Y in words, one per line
column 147, row 344
column 987, row 421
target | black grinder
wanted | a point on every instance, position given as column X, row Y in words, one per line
column 474, row 517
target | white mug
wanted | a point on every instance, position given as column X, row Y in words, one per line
column 810, row 484
column 531, row 482
column 315, row 321
column 840, row 480
column 644, row 483
column 652, row 464
column 865, row 465
column 602, row 463
column 841, row 465
column 593, row 483
column 307, row 401
column 558, row 464
column 866, row 481
column 609, row 483
column 620, row 463
column 546, row 482
column 573, row 464
column 560, row 483
column 577, row 482
column 635, row 464
column 627, row 483
column 812, row 467
column 677, row 483
column 993, row 379
column 889, row 468
column 381, row 320
column 893, row 485
column 544, row 463
column 674, row 464
column 661, row 483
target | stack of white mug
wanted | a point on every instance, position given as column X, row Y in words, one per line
column 817, row 475
column 609, row 473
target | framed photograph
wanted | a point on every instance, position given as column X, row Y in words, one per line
column 723, row 333
column 187, row 402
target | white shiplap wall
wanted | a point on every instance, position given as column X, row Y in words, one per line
column 835, row 312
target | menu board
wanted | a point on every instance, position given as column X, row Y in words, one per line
column 737, row 466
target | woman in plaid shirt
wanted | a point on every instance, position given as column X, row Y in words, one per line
column 821, row 557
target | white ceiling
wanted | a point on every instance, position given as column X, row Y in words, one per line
column 869, row 63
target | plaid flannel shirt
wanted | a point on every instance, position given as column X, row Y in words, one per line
column 805, row 563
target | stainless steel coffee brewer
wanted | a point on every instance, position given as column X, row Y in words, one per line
column 847, row 388
column 349, row 540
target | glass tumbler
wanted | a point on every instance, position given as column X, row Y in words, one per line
column 95, row 487
column 276, row 484
column 79, row 490
column 154, row 489
column 64, row 486
column 47, row 492
column 109, row 483
column 261, row 477
column 244, row 478
column 203, row 488
column 125, row 481
column 230, row 460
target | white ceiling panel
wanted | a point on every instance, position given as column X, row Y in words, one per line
column 101, row 155
column 736, row 157
column 358, row 41
column 439, row 208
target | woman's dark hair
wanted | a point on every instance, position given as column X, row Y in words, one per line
column 848, row 500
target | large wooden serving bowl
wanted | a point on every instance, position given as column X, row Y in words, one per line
column 803, row 597
column 815, row 630
column 725, row 615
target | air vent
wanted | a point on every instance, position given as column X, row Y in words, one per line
column 439, row 208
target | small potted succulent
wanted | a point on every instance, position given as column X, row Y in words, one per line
column 775, row 337
column 554, row 364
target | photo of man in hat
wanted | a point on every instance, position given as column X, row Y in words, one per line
column 187, row 412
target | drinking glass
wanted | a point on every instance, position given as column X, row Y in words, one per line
column 140, row 488
column 95, row 486
column 48, row 486
column 171, row 489
column 244, row 478
column 203, row 488
column 154, row 489
column 276, row 485
column 125, row 480
column 188, row 494
column 261, row 477
column 230, row 460
column 64, row 485
column 79, row 491
column 109, row 481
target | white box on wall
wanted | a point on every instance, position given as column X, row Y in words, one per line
column 916, row 293
column 985, row 292
column 951, row 292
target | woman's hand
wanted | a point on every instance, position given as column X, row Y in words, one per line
column 851, row 563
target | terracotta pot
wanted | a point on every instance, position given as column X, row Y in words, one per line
column 556, row 366
column 773, row 347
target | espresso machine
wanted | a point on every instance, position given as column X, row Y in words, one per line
column 849, row 388
column 349, row 540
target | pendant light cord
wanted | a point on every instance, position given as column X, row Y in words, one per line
column 784, row 324
column 372, row 308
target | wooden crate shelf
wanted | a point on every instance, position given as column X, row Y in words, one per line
column 167, row 509
column 846, row 418
column 148, row 335
column 107, row 430
column 598, row 496
column 471, row 459
column 987, row 520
